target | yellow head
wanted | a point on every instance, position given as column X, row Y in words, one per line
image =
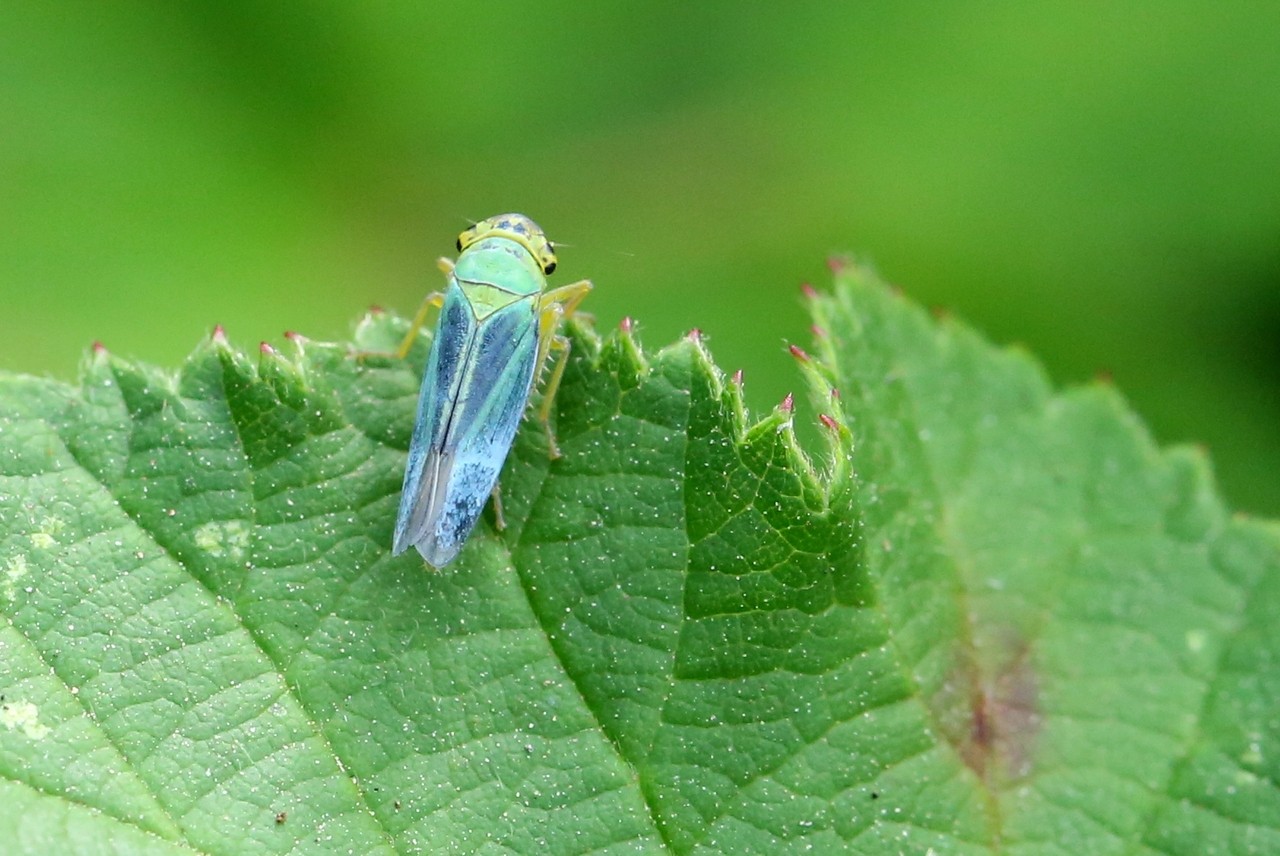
column 515, row 227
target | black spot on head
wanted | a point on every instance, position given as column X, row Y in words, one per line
column 549, row 269
column 459, row 243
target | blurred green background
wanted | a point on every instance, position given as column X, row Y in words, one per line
column 1098, row 181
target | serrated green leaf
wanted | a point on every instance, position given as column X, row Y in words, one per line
column 993, row 619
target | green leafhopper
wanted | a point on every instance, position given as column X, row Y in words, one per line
column 497, row 326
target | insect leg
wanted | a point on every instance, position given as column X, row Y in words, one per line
column 548, row 321
column 499, row 522
column 568, row 296
column 556, row 304
column 549, row 392
column 433, row 301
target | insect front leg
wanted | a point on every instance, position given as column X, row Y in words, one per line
column 434, row 300
column 566, row 296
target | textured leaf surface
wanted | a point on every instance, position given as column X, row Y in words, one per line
column 994, row 620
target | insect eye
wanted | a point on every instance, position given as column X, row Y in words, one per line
column 549, row 268
column 459, row 243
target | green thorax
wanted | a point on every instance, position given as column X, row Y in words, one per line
column 494, row 272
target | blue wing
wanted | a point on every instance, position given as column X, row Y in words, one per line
column 474, row 393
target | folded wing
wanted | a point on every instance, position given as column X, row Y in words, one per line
column 473, row 395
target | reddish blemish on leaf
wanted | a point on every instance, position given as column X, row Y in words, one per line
column 1004, row 719
column 798, row 353
column 788, row 403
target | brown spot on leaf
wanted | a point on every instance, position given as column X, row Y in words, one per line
column 1004, row 720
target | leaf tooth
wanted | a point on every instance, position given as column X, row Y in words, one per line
column 297, row 343
column 266, row 356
